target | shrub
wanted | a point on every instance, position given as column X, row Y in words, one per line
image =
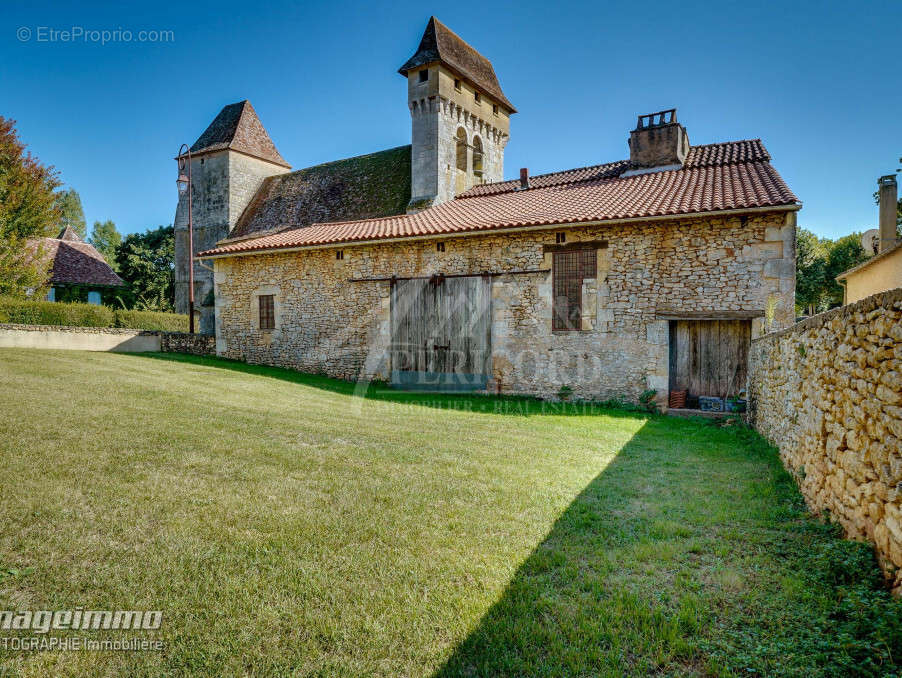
column 152, row 320
column 28, row 312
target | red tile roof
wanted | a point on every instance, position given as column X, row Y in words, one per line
column 76, row 262
column 729, row 176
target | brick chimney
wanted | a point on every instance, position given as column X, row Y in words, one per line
column 524, row 178
column 888, row 196
column 658, row 141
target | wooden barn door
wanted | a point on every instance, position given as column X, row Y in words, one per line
column 441, row 333
column 709, row 357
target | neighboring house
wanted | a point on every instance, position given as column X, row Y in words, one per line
column 78, row 272
column 647, row 273
column 883, row 271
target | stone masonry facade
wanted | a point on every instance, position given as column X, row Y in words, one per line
column 828, row 392
column 324, row 323
column 223, row 183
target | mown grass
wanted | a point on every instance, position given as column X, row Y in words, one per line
column 287, row 526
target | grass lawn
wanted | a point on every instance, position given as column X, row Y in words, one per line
column 285, row 526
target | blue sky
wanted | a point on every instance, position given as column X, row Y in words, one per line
column 818, row 82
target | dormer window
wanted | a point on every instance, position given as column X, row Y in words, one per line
column 424, row 75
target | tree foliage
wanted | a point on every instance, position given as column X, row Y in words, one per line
column 146, row 261
column 818, row 262
column 106, row 239
column 27, row 211
column 68, row 202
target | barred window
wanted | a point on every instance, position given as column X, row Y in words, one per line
column 267, row 312
column 570, row 268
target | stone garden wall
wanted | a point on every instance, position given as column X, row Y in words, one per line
column 115, row 339
column 828, row 393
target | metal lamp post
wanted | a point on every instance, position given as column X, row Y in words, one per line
column 184, row 186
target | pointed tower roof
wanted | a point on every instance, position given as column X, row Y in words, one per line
column 68, row 233
column 441, row 44
column 238, row 128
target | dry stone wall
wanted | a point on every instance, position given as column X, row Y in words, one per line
column 828, row 393
column 325, row 323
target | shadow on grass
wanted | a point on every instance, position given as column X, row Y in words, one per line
column 380, row 391
column 666, row 565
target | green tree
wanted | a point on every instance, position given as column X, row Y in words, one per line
column 146, row 261
column 106, row 239
column 811, row 271
column 68, row 202
column 27, row 211
column 845, row 253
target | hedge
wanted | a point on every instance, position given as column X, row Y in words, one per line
column 26, row 312
column 152, row 320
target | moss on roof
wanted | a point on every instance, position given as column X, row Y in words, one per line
column 363, row 187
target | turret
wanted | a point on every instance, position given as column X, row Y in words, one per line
column 460, row 118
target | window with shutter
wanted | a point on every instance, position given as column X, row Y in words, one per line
column 569, row 269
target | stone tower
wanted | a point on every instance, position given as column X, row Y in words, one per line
column 228, row 163
column 460, row 118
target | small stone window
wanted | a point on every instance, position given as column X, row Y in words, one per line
column 267, row 312
column 476, row 97
column 569, row 269
column 560, row 238
column 495, row 109
column 339, row 255
column 439, row 247
column 457, row 85
column 424, row 75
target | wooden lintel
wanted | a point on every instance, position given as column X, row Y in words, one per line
column 673, row 314
column 576, row 245
column 481, row 274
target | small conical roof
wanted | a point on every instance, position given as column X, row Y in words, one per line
column 69, row 233
column 441, row 44
column 238, row 128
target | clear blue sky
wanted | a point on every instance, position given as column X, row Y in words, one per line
column 819, row 82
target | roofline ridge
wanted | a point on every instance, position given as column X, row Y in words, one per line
column 350, row 157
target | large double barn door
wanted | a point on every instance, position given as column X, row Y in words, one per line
column 441, row 332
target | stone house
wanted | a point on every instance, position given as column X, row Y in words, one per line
column 78, row 272
column 421, row 266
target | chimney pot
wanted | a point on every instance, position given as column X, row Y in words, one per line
column 524, row 178
column 888, row 197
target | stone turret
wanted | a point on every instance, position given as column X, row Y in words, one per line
column 460, row 118
column 229, row 161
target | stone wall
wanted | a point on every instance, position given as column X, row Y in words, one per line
column 438, row 110
column 183, row 342
column 115, row 339
column 828, row 393
column 222, row 185
column 327, row 324
column 78, row 338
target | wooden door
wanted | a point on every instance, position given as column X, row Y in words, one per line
column 441, row 332
column 709, row 357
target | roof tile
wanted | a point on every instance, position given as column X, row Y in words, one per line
column 734, row 175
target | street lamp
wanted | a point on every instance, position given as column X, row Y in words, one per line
column 184, row 186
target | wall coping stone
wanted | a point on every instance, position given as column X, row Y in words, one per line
column 866, row 305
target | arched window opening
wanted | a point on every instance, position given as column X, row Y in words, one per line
column 462, row 149
column 477, row 159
